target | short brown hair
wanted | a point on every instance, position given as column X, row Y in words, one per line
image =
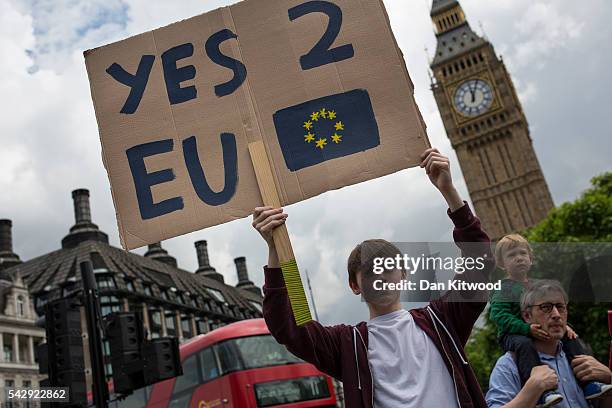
column 508, row 242
column 362, row 256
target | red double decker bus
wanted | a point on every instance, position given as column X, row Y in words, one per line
column 239, row 365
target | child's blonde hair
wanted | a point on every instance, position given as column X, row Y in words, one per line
column 509, row 242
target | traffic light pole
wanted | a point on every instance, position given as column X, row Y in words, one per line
column 94, row 325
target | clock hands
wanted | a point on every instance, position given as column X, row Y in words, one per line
column 473, row 91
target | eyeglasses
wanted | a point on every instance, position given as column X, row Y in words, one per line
column 548, row 307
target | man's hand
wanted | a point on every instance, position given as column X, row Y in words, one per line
column 587, row 368
column 544, row 378
column 571, row 334
column 437, row 167
column 537, row 332
column 266, row 219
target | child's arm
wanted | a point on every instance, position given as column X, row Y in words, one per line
column 501, row 314
column 311, row 342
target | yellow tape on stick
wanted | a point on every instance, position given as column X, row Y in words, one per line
column 295, row 289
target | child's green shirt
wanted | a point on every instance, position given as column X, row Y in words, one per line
column 505, row 309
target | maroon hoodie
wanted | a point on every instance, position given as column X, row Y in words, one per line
column 342, row 351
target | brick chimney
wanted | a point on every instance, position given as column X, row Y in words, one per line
column 83, row 229
column 204, row 267
column 243, row 276
column 158, row 253
column 7, row 257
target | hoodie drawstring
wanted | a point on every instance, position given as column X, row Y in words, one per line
column 356, row 358
column 431, row 312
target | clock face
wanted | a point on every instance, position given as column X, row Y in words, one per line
column 473, row 97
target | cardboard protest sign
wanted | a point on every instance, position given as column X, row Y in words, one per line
column 321, row 83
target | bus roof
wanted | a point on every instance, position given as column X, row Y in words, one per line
column 243, row 328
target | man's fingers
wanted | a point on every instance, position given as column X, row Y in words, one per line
column 259, row 210
column 580, row 359
column 272, row 224
column 436, row 164
column 430, row 155
column 433, row 156
column 262, row 226
column 583, row 373
column 265, row 214
column 582, row 369
column 428, row 151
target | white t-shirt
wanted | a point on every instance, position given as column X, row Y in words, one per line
column 407, row 368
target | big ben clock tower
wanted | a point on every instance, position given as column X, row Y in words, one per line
column 486, row 125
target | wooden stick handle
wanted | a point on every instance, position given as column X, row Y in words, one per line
column 291, row 274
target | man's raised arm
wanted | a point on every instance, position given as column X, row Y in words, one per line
column 312, row 342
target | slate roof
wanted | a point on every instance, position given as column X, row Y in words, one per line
column 57, row 274
column 455, row 42
column 57, row 269
column 439, row 6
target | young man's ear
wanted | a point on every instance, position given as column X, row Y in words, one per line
column 354, row 287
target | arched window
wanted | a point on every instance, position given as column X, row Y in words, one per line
column 20, row 306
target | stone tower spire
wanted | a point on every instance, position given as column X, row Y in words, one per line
column 486, row 125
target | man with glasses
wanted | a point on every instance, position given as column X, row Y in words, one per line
column 545, row 303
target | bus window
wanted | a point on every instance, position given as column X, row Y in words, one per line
column 190, row 377
column 263, row 351
column 186, row 383
column 138, row 399
column 229, row 357
column 209, row 364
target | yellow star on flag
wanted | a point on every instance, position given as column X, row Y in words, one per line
column 314, row 116
column 321, row 143
column 309, row 137
column 323, row 113
column 336, row 138
column 331, row 115
column 339, row 125
column 308, row 125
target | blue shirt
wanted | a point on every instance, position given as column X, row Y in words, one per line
column 505, row 382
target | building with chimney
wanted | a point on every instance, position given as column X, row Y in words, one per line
column 19, row 335
column 486, row 125
column 170, row 301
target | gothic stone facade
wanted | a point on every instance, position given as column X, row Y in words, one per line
column 486, row 125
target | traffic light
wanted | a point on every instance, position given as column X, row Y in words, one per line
column 124, row 334
column 66, row 358
column 138, row 362
column 61, row 357
column 161, row 359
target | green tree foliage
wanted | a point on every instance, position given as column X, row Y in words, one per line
column 587, row 219
column 483, row 350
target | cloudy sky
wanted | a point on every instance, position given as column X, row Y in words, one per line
column 558, row 52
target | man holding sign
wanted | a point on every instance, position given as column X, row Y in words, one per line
column 398, row 358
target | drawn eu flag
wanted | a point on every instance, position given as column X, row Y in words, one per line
column 326, row 128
